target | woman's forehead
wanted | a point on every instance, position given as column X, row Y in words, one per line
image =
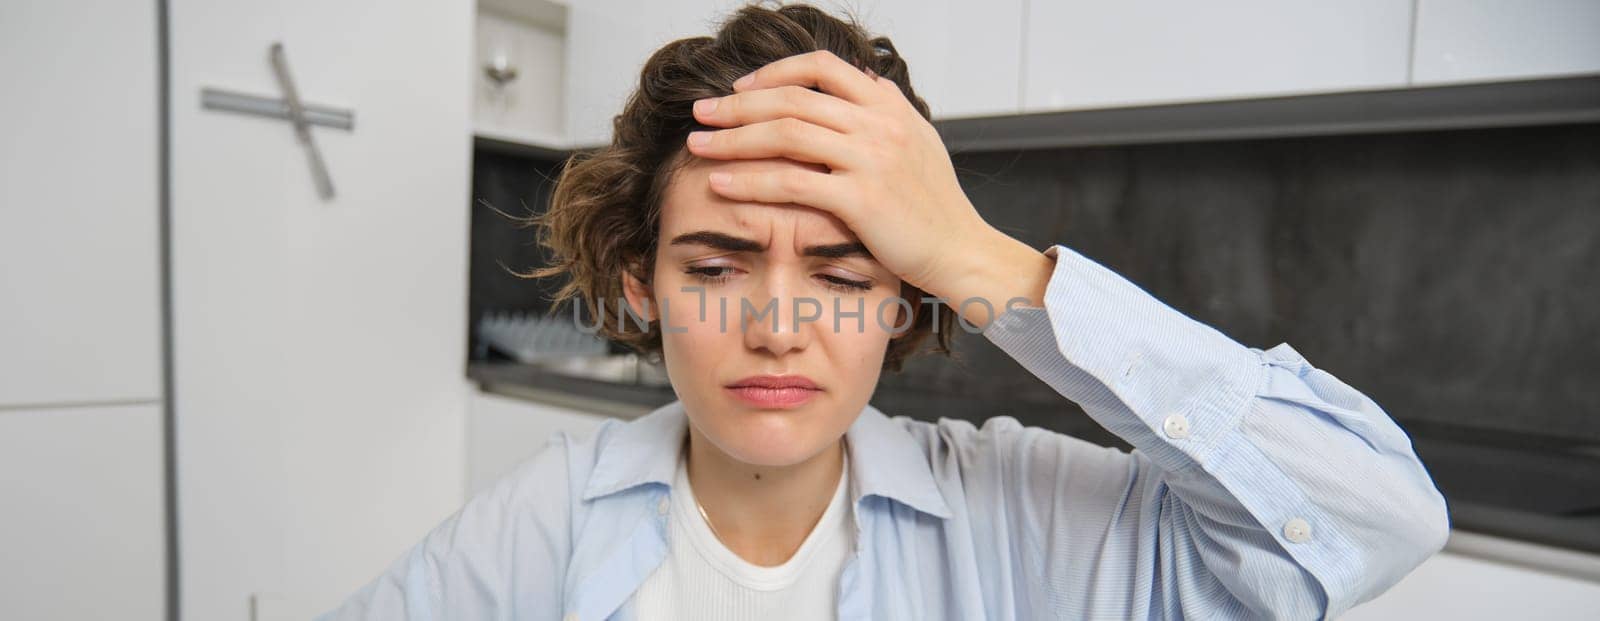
column 690, row 205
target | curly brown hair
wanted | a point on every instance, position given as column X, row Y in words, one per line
column 604, row 214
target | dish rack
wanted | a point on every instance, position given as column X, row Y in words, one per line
column 531, row 337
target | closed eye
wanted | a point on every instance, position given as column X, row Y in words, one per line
column 713, row 274
column 845, row 284
column 710, row 273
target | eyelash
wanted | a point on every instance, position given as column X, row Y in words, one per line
column 843, row 285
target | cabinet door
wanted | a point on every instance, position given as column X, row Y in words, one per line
column 608, row 42
column 1457, row 586
column 82, row 528
column 528, row 108
column 320, row 394
column 1089, row 54
column 79, row 222
column 965, row 57
column 1481, row 40
column 504, row 431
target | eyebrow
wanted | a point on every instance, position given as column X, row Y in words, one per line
column 724, row 241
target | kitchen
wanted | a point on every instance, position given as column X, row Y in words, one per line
column 275, row 338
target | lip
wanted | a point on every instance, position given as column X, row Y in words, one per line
column 774, row 391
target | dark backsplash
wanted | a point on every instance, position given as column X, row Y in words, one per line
column 1448, row 275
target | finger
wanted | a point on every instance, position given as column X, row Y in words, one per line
column 892, row 90
column 768, row 104
column 787, row 184
column 820, row 69
column 785, row 137
column 888, row 85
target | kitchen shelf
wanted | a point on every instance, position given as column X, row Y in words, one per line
column 1573, row 99
column 518, row 73
column 544, row 146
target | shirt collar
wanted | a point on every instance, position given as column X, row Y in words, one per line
column 885, row 460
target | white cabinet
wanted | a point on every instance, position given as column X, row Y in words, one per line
column 608, row 42
column 1032, row 56
column 82, row 524
column 1091, row 54
column 1480, row 40
column 318, row 345
column 1465, row 588
column 79, row 225
column 504, row 431
column 523, row 44
column 965, row 57
column 82, row 519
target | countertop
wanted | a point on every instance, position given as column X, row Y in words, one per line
column 1527, row 489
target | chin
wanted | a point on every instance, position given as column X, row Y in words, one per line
column 769, row 442
column 773, row 438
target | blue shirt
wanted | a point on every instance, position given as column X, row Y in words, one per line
column 1259, row 486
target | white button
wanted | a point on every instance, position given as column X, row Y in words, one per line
column 664, row 505
column 1176, row 426
column 1297, row 530
column 571, row 616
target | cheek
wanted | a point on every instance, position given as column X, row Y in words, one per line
column 858, row 344
column 692, row 326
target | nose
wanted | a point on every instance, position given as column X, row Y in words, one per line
column 772, row 301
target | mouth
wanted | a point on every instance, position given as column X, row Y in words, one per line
column 774, row 391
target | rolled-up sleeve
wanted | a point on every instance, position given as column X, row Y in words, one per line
column 1259, row 485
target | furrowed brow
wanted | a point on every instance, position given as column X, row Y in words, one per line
column 838, row 251
column 720, row 241
column 724, row 241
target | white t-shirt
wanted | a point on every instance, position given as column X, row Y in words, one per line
column 702, row 579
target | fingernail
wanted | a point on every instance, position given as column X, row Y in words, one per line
column 721, row 178
column 706, row 106
column 699, row 139
column 744, row 81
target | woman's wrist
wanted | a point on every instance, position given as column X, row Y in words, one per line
column 998, row 271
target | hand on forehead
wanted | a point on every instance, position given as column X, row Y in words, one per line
column 689, row 205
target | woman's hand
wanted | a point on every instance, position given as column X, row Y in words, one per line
column 890, row 179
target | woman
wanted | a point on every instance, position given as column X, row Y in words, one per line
column 768, row 191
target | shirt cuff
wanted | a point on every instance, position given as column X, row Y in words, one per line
column 1167, row 384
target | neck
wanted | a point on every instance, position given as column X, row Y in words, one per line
column 762, row 513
